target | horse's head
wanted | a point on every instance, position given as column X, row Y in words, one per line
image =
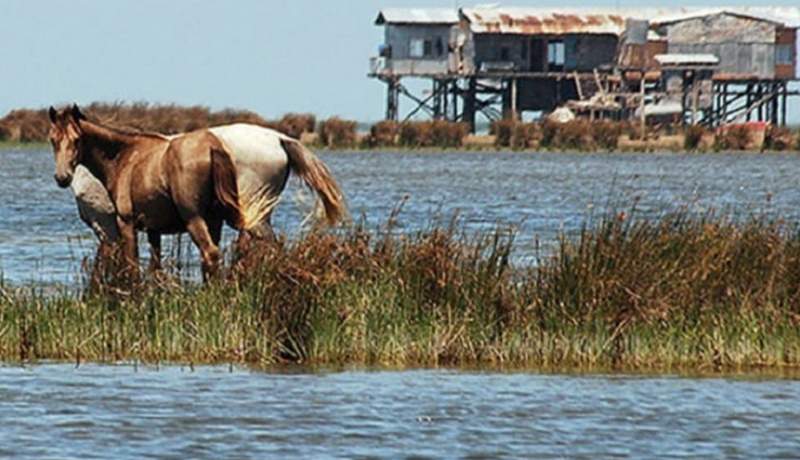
column 65, row 136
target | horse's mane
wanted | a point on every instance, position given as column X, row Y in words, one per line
column 127, row 131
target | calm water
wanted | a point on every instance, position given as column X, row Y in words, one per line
column 42, row 239
column 56, row 411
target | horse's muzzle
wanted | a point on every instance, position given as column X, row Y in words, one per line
column 63, row 181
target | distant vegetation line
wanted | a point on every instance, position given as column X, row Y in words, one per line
column 31, row 125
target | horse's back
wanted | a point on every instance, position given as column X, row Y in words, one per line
column 257, row 152
column 251, row 143
column 262, row 165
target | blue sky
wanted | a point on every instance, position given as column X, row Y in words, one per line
column 268, row 56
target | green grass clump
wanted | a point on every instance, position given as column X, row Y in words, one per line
column 675, row 293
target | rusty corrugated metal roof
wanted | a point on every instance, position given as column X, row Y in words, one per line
column 559, row 21
column 786, row 16
column 417, row 16
column 540, row 21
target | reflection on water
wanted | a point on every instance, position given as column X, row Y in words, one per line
column 41, row 238
column 106, row 411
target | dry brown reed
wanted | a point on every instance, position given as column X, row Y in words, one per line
column 436, row 133
column 384, row 134
column 502, row 131
column 296, row 124
column 693, row 137
column 448, row 134
column 33, row 125
column 337, row 133
column 605, row 134
column 778, row 139
column 25, row 126
column 572, row 135
column 415, row 134
column 735, row 137
column 525, row 136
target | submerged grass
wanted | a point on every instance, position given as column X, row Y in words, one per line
column 700, row 293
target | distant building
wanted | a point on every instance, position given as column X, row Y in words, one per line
column 747, row 46
column 416, row 41
column 500, row 61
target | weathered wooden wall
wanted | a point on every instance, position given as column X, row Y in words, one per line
column 528, row 53
column 489, row 48
column 399, row 37
column 721, row 28
column 786, row 38
column 737, row 60
column 744, row 46
column 587, row 52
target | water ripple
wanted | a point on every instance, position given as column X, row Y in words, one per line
column 411, row 414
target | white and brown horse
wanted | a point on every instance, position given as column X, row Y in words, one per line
column 191, row 182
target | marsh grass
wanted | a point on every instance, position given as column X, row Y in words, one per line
column 679, row 292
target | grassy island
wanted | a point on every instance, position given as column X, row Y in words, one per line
column 677, row 293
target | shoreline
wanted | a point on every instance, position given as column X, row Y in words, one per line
column 677, row 372
column 468, row 149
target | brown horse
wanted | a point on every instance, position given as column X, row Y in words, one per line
column 191, row 182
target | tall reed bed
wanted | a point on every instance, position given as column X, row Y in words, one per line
column 679, row 292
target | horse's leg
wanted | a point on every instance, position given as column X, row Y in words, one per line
column 100, row 268
column 130, row 250
column 215, row 229
column 242, row 245
column 199, row 231
column 154, row 239
column 267, row 232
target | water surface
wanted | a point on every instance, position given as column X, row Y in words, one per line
column 42, row 239
column 57, row 411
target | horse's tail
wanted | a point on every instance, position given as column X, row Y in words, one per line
column 223, row 174
column 317, row 177
column 242, row 211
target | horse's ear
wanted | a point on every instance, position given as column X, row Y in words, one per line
column 76, row 113
column 53, row 114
